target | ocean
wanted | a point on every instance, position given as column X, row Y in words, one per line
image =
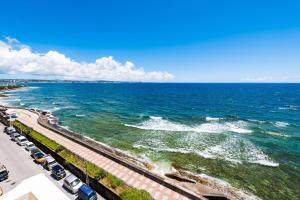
column 245, row 134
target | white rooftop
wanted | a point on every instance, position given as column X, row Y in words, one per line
column 37, row 187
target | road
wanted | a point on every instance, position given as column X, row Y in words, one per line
column 21, row 166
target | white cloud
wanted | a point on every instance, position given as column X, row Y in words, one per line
column 16, row 58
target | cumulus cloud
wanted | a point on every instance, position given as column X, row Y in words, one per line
column 16, row 58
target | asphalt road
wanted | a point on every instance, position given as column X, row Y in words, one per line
column 21, row 166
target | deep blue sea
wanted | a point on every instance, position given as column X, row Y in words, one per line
column 245, row 134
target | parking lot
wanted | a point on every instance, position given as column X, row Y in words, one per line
column 21, row 165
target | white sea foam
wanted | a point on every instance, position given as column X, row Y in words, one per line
column 233, row 149
column 289, row 107
column 277, row 134
column 238, row 150
column 160, row 124
column 80, row 115
column 281, row 124
column 212, row 119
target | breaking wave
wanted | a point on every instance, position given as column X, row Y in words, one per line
column 160, row 124
column 281, row 124
column 233, row 149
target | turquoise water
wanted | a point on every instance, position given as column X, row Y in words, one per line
column 246, row 134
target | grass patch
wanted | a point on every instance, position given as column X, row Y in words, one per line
column 39, row 137
column 135, row 194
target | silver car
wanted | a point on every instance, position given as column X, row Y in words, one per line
column 49, row 163
column 72, row 183
column 14, row 136
column 29, row 146
column 21, row 140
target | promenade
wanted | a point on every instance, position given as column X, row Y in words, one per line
column 129, row 176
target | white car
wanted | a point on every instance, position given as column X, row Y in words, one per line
column 29, row 146
column 21, row 140
column 72, row 183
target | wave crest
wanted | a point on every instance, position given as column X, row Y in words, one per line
column 160, row 124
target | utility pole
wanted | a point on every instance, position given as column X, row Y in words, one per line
column 86, row 173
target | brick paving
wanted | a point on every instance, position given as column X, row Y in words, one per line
column 129, row 176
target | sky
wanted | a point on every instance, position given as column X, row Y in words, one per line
column 151, row 41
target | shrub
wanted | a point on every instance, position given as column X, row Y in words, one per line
column 59, row 148
column 135, row 194
column 100, row 174
column 114, row 181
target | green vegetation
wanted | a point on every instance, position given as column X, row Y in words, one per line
column 114, row 181
column 92, row 169
column 39, row 137
column 9, row 87
column 135, row 194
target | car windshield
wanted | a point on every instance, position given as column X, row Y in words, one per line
column 35, row 150
column 3, row 173
column 53, row 162
column 23, row 140
column 39, row 155
column 30, row 145
column 58, row 168
column 75, row 182
column 92, row 196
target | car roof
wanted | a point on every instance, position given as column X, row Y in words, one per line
column 39, row 152
column 55, row 166
column 49, row 159
column 70, row 178
column 15, row 133
column 28, row 143
column 21, row 137
column 86, row 189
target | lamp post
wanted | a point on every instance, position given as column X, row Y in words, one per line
column 86, row 173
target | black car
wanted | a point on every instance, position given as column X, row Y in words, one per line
column 33, row 151
column 3, row 174
column 58, row 172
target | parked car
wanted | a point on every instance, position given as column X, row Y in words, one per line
column 3, row 173
column 86, row 193
column 9, row 130
column 49, row 163
column 58, row 172
column 21, row 140
column 39, row 157
column 72, row 183
column 33, row 151
column 14, row 136
column 29, row 146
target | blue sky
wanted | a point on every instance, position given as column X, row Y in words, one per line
column 195, row 41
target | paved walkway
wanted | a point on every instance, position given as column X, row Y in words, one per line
column 129, row 176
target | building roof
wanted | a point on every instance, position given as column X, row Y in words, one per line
column 37, row 187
